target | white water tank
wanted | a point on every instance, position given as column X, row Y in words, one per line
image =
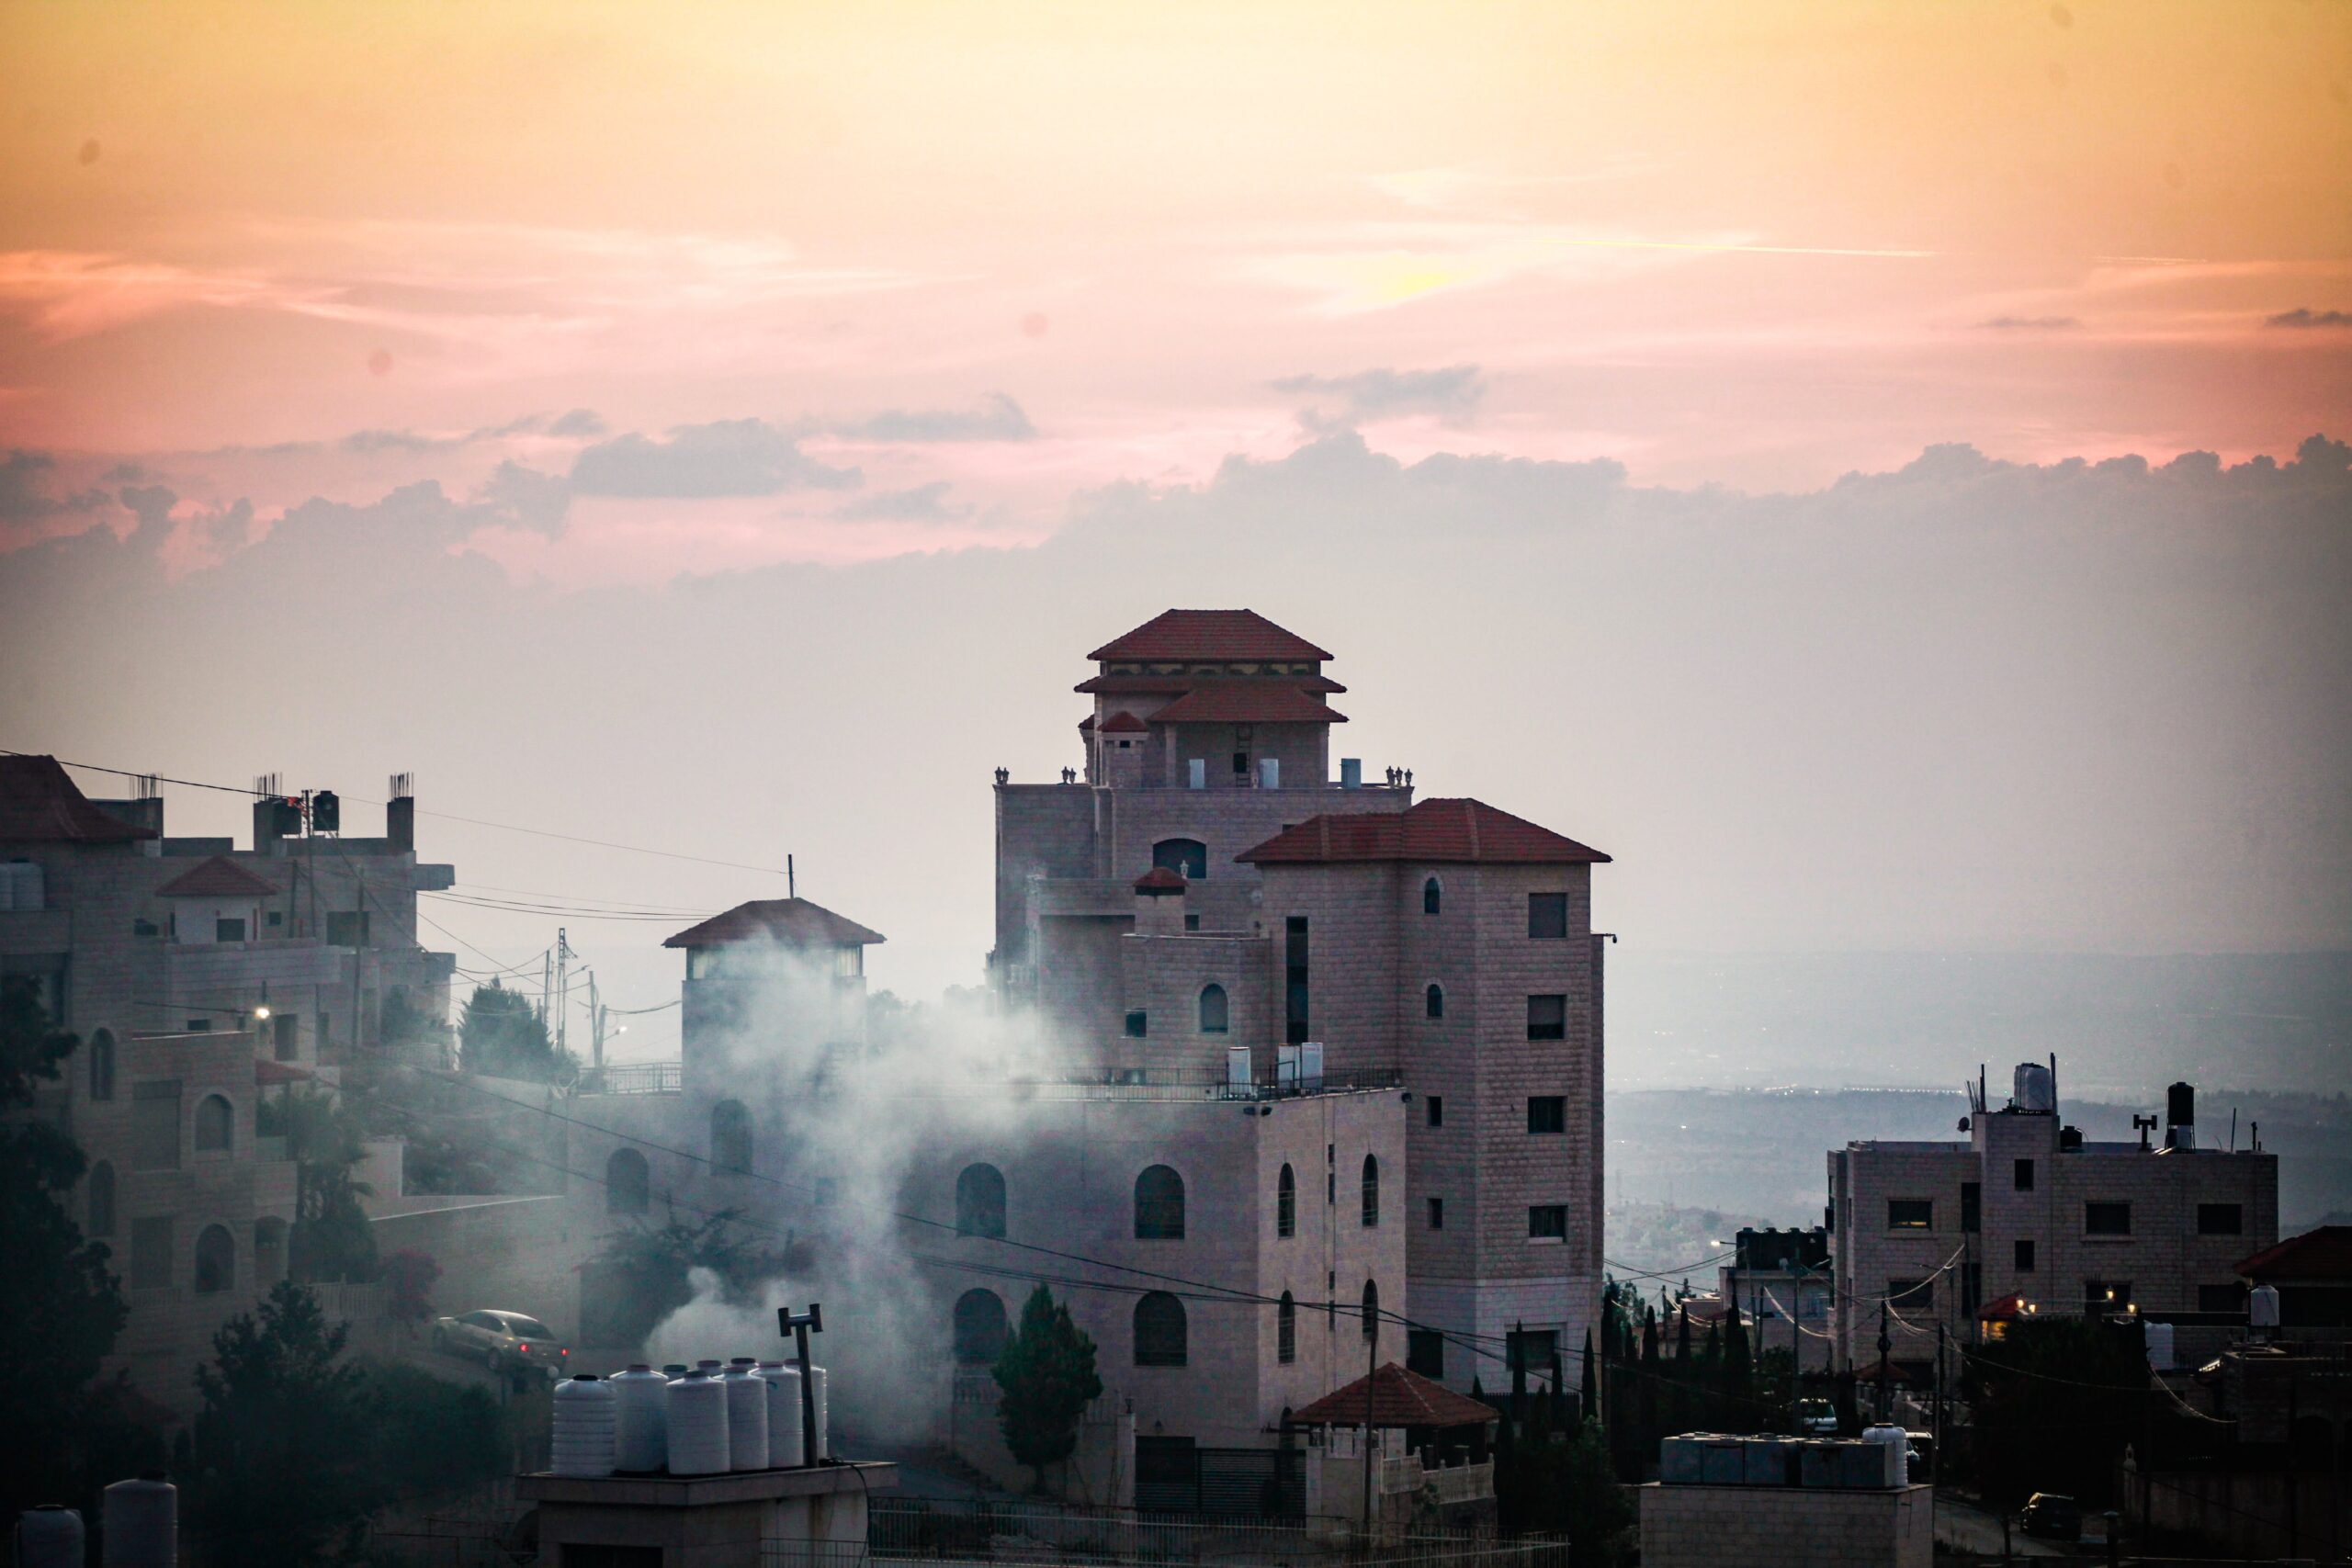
column 1352, row 772
column 1270, row 773
column 142, row 1523
column 694, row 1418
column 2033, row 1089
column 1892, row 1445
column 1286, row 1068
column 49, row 1535
column 2262, row 1307
column 1310, row 1064
column 824, row 1442
column 784, row 1414
column 2159, row 1336
column 584, row 1427
column 1237, row 1068
column 640, row 1435
column 1196, row 773
column 747, row 1414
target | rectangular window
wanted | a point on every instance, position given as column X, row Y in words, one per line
column 346, row 928
column 1425, row 1352
column 2221, row 1219
column 1910, row 1214
column 1436, row 1214
column 1191, row 922
column 1295, row 976
column 1911, row 1295
column 1547, row 1018
column 2220, row 1298
column 228, row 931
column 150, row 1253
column 286, row 1036
column 1547, row 1222
column 1437, row 1110
column 1547, row 915
column 1972, row 1207
column 1135, row 1024
column 155, row 1124
column 1531, row 1351
column 199, row 1026
column 2106, row 1218
column 2022, row 1175
column 2021, row 1256
column 324, row 1033
column 1547, row 1113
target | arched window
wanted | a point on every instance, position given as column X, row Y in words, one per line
column 1370, row 1310
column 731, row 1138
column 627, row 1183
column 1371, row 1191
column 1160, row 1205
column 216, row 1260
column 1286, row 1330
column 1433, row 999
column 1286, row 1202
column 1432, row 897
column 1212, row 1009
column 101, row 1198
column 216, row 1125
column 1160, row 1330
column 981, row 1330
column 1188, row 858
column 979, row 1203
column 102, row 1065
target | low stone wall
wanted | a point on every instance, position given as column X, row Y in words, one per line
column 1787, row 1527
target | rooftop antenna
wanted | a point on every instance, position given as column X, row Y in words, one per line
column 800, row 1326
column 2144, row 1125
column 791, row 883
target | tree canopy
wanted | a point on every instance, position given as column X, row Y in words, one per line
column 1046, row 1378
column 500, row 1036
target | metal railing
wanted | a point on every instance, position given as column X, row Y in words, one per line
column 634, row 1077
column 1272, row 1082
column 940, row 1530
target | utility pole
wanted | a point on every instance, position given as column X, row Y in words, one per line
column 1885, row 1346
column 562, row 1023
column 596, row 1023
column 1936, row 1459
column 1370, row 1377
column 546, row 989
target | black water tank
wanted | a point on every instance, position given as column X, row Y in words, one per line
column 2180, row 1106
column 326, row 812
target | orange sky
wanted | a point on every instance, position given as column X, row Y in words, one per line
column 1751, row 243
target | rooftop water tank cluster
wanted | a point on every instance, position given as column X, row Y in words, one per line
column 709, row 1419
column 1875, row 1460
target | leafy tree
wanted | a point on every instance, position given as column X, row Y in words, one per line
column 641, row 1273
column 330, row 1237
column 406, row 1028
column 60, row 1307
column 1046, row 1376
column 1566, row 1485
column 500, row 1036
column 434, row 1437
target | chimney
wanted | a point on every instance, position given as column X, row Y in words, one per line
column 399, row 812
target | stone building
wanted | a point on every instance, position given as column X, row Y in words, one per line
column 2030, row 1208
column 196, row 976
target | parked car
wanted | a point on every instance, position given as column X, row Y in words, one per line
column 1816, row 1419
column 503, row 1341
column 2052, row 1516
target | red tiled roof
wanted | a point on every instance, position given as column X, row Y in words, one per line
column 1124, row 724
column 2321, row 1254
column 2008, row 1308
column 1444, row 830
column 218, row 877
column 267, row 1073
column 1221, row 635
column 1086, row 723
column 1159, row 881
column 1124, row 685
column 40, row 805
column 1247, row 702
column 1399, row 1398
column 788, row 922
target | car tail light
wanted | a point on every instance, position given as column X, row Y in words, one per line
column 565, row 1351
column 524, row 1347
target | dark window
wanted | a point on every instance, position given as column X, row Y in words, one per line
column 2221, row 1219
column 1548, row 1222
column 1294, row 980
column 1547, row 1113
column 1188, row 858
column 151, row 1252
column 224, row 929
column 1911, row 1295
column 1161, row 1340
column 2022, row 1255
column 2106, row 1295
column 1531, row 1351
column 1972, row 1206
column 731, row 1138
column 1437, row 1110
column 346, row 928
column 2220, row 1298
column 1547, row 1018
column 1547, row 915
column 286, row 1036
column 581, row 1554
column 2022, row 1175
column 1286, row 1330
column 102, row 1065
column 155, row 1124
column 1434, row 1001
column 2102, row 1217
column 979, row 1202
column 1191, row 922
column 1910, row 1214
column 1286, row 1202
column 1136, row 1024
column 216, row 1125
column 1214, row 1012
column 1370, row 1310
column 980, row 1328
column 324, row 1033
column 1371, row 1191
column 1432, row 895
column 102, row 1198
column 216, row 1260
column 1160, row 1205
column 627, row 1183
column 1425, row 1352
column 1240, row 763
column 1436, row 1214
column 199, row 1026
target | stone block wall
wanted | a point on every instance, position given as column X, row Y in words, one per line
column 1786, row 1526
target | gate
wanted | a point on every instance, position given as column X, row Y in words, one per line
column 1175, row 1476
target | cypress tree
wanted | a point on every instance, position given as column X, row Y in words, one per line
column 1739, row 1369
column 1585, row 1390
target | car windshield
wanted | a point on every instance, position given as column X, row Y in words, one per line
column 529, row 1328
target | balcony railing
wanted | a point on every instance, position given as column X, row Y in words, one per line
column 634, row 1077
column 1194, row 1083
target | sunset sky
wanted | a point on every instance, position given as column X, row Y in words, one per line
column 516, row 306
